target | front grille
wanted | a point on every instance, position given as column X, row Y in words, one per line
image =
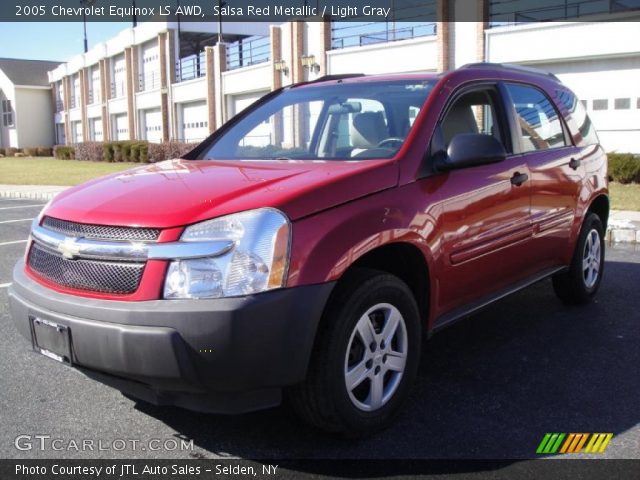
column 93, row 275
column 101, row 232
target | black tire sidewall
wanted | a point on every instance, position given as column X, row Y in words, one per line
column 379, row 289
column 592, row 222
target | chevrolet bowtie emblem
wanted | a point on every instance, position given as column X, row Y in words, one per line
column 69, row 248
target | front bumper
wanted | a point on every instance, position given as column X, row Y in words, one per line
column 226, row 355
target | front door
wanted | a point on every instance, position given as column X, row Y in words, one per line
column 483, row 211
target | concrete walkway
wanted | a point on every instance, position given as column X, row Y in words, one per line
column 624, row 226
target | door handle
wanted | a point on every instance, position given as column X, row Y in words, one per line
column 574, row 163
column 519, row 178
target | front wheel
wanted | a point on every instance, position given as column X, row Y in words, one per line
column 582, row 281
column 365, row 359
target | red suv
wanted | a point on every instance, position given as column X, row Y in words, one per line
column 310, row 244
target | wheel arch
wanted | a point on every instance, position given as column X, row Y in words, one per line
column 403, row 260
column 600, row 206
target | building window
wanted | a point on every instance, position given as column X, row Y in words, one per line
column 638, row 103
column 7, row 113
column 584, row 103
column 601, row 104
column 622, row 103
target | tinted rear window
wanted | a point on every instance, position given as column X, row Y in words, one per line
column 579, row 122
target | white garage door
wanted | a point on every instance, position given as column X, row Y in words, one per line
column 150, row 77
column 240, row 102
column 119, row 77
column 195, row 121
column 151, row 125
column 76, row 131
column 95, row 129
column 121, row 127
column 259, row 136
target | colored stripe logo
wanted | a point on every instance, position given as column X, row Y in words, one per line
column 574, row 443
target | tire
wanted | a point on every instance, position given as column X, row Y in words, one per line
column 581, row 282
column 363, row 304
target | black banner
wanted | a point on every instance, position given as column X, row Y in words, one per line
column 289, row 469
column 275, row 11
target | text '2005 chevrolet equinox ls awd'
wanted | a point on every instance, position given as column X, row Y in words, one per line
column 308, row 245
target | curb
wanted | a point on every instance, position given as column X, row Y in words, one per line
column 29, row 195
column 623, row 231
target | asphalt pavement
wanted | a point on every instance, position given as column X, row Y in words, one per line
column 489, row 387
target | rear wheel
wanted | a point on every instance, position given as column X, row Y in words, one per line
column 582, row 281
column 365, row 359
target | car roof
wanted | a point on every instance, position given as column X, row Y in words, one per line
column 472, row 70
column 360, row 78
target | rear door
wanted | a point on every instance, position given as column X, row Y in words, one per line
column 482, row 211
column 555, row 168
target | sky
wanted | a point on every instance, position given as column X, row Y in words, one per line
column 52, row 41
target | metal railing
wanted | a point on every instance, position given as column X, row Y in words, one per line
column 404, row 22
column 149, row 80
column 248, row 51
column 73, row 103
column 191, row 67
column 117, row 89
column 509, row 12
column 59, row 105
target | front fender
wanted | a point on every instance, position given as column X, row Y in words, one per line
column 325, row 245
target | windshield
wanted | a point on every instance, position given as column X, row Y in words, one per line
column 329, row 122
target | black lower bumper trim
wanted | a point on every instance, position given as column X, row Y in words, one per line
column 241, row 350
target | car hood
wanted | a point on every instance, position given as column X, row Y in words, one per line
column 180, row 192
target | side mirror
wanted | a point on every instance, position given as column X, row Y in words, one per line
column 470, row 150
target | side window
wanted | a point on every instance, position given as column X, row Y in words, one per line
column 540, row 125
column 579, row 122
column 473, row 112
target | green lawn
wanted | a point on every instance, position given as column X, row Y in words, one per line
column 49, row 171
column 624, row 197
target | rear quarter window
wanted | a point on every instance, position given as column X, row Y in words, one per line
column 578, row 121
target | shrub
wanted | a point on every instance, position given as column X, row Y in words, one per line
column 44, row 151
column 125, row 148
column 30, row 152
column 19, row 155
column 117, row 151
column 144, row 152
column 63, row 152
column 11, row 151
column 107, row 152
column 92, row 151
column 624, row 168
column 2, row 152
column 169, row 150
column 134, row 152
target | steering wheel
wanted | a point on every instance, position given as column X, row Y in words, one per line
column 391, row 142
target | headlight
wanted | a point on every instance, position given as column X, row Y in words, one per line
column 44, row 209
column 39, row 220
column 257, row 262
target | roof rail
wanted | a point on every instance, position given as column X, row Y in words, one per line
column 328, row 78
column 511, row 66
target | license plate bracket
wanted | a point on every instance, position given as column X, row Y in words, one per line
column 51, row 339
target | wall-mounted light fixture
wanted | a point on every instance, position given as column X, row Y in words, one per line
column 281, row 66
column 309, row 61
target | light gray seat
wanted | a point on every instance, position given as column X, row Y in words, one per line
column 459, row 119
column 367, row 131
